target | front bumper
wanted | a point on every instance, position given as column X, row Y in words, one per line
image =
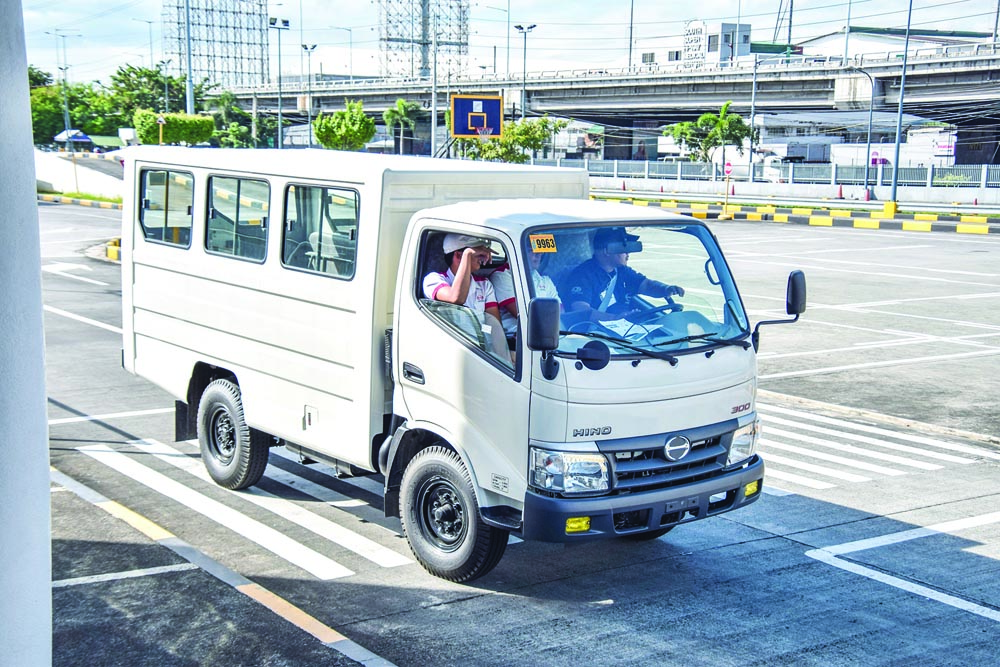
column 613, row 516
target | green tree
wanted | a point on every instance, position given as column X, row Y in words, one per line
column 346, row 130
column 233, row 126
column 518, row 138
column 136, row 88
column 711, row 131
column 46, row 113
column 37, row 77
column 403, row 114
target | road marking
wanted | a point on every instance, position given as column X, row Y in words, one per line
column 264, row 536
column 875, row 430
column 851, row 449
column 117, row 576
column 811, row 467
column 879, row 364
column 78, row 318
column 797, row 479
column 833, row 458
column 110, row 415
column 62, row 269
column 278, row 605
column 869, row 441
column 830, row 556
column 286, row 509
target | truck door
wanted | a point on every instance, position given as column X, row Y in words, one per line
column 458, row 371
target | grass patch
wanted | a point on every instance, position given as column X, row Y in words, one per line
column 85, row 195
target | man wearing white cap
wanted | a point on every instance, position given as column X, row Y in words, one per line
column 459, row 285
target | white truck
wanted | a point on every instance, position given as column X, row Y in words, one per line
column 277, row 295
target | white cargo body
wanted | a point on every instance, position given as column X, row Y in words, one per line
column 280, row 297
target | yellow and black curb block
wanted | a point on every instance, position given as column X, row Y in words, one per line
column 114, row 249
column 59, row 199
column 875, row 219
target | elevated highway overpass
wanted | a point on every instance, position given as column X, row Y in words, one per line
column 938, row 82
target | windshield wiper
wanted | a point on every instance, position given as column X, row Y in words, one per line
column 621, row 342
column 706, row 337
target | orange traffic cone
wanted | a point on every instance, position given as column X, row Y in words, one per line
column 732, row 190
column 840, row 192
column 623, row 186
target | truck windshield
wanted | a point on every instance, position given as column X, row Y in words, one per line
column 656, row 289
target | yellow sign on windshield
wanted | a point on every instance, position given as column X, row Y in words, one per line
column 542, row 242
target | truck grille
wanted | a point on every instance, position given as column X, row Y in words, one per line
column 648, row 469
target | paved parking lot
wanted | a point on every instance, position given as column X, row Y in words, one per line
column 877, row 541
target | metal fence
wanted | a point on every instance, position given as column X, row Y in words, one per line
column 957, row 176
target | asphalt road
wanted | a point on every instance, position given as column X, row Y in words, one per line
column 877, row 542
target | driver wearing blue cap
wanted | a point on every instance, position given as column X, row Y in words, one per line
column 601, row 288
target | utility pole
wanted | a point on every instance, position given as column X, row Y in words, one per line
column 309, row 48
column 279, row 25
column 189, row 84
column 631, row 23
column 524, row 30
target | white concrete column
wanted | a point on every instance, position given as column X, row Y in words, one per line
column 25, row 555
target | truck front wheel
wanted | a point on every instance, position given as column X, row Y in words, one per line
column 234, row 454
column 441, row 521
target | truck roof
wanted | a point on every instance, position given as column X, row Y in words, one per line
column 515, row 215
column 312, row 162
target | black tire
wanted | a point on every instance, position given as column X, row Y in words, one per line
column 441, row 521
column 647, row 536
column 234, row 454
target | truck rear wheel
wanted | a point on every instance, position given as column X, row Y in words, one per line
column 441, row 521
column 234, row 454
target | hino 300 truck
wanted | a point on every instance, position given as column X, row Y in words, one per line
column 280, row 297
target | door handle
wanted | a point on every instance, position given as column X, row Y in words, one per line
column 412, row 373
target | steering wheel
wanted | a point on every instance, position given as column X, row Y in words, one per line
column 670, row 306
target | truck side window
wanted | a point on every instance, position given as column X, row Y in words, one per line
column 237, row 217
column 469, row 322
column 320, row 230
column 166, row 200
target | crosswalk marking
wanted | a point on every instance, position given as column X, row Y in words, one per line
column 797, row 479
column 866, row 440
column 859, row 451
column 266, row 537
column 286, row 509
column 819, row 470
column 833, row 458
column 875, row 430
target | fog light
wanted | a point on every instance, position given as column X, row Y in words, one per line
column 577, row 524
column 751, row 489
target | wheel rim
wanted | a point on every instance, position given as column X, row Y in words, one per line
column 442, row 514
column 222, row 435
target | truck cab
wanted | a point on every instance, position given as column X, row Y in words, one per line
column 585, row 424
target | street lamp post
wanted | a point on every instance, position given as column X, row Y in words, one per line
column 279, row 25
column 899, row 113
column 64, row 68
column 350, row 51
column 166, row 82
column 868, row 145
column 524, row 30
column 309, row 48
column 150, row 24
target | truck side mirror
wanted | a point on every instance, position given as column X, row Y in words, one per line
column 543, row 324
column 795, row 295
column 795, row 304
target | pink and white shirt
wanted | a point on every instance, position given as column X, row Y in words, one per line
column 481, row 294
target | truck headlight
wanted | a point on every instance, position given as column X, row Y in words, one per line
column 744, row 443
column 568, row 472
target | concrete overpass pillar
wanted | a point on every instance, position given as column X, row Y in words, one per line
column 25, row 556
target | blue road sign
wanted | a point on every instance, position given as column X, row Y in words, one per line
column 476, row 115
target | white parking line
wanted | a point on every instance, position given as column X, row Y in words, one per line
column 797, row 479
column 286, row 509
column 879, row 364
column 110, row 415
column 266, row 537
column 79, row 318
column 830, row 556
column 129, row 574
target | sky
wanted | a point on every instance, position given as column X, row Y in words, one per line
column 99, row 36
